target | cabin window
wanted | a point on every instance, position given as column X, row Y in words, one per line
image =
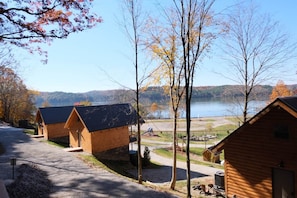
column 281, row 131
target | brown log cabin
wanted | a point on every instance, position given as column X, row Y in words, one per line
column 51, row 121
column 102, row 130
column 261, row 155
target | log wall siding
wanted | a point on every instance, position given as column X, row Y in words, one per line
column 97, row 141
column 52, row 131
column 254, row 151
column 55, row 131
column 109, row 139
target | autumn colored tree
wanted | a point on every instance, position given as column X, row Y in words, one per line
column 16, row 102
column 24, row 23
column 154, row 107
column 280, row 90
column 45, row 104
column 163, row 44
column 83, row 103
column 180, row 43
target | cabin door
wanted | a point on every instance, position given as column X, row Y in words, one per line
column 283, row 183
column 78, row 138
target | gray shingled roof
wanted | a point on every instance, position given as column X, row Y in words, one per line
column 107, row 116
column 52, row 115
column 290, row 101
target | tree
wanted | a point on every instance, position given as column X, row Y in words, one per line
column 133, row 8
column 83, row 103
column 196, row 34
column 24, row 23
column 154, row 107
column 280, row 90
column 163, row 44
column 255, row 49
column 16, row 102
column 180, row 43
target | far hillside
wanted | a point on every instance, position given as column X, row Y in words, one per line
column 149, row 96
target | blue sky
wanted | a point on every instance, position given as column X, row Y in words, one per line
column 98, row 59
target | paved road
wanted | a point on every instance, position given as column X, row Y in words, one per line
column 163, row 175
column 69, row 176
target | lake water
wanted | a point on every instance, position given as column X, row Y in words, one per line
column 213, row 108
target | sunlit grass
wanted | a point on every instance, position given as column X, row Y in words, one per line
column 220, row 132
column 29, row 131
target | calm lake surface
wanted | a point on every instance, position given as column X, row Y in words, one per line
column 213, row 108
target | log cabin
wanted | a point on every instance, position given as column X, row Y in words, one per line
column 261, row 155
column 51, row 122
column 102, row 130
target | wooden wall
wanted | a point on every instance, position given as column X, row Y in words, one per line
column 254, row 151
column 41, row 128
column 108, row 144
column 55, row 131
column 52, row 131
column 109, row 139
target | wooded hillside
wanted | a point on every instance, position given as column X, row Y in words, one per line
column 148, row 96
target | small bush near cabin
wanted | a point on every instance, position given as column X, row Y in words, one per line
column 146, row 160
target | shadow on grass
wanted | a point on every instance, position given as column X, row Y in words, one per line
column 162, row 174
column 123, row 167
column 2, row 149
column 154, row 173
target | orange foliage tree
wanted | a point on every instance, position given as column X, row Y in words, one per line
column 154, row 107
column 24, row 23
column 280, row 90
column 16, row 101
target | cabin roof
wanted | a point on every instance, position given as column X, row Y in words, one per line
column 102, row 117
column 289, row 104
column 52, row 115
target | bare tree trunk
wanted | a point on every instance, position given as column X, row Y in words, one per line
column 138, row 137
column 134, row 12
column 188, row 128
column 174, row 148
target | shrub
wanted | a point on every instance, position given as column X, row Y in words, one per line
column 146, row 157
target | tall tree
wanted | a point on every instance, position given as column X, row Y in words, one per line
column 196, row 33
column 280, row 90
column 24, row 23
column 133, row 23
column 163, row 43
column 255, row 49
